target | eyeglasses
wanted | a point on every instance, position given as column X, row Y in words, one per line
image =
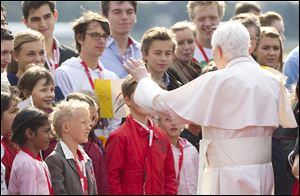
column 4, row 23
column 98, row 36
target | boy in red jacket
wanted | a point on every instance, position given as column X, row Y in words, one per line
column 139, row 157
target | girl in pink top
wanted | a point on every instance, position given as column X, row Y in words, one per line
column 30, row 175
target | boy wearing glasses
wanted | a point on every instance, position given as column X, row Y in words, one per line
column 121, row 46
column 42, row 16
column 78, row 73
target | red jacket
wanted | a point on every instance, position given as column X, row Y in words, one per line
column 135, row 168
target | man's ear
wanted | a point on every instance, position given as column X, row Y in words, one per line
column 219, row 51
column 145, row 56
column 127, row 101
column 25, row 21
column 80, row 38
column 55, row 14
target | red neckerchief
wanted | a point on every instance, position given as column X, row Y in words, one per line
column 133, row 125
column 202, row 51
column 38, row 158
column 181, row 146
column 86, row 69
column 82, row 173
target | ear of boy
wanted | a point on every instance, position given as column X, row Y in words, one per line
column 127, row 101
column 66, row 127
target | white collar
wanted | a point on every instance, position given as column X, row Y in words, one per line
column 66, row 150
column 142, row 124
column 69, row 155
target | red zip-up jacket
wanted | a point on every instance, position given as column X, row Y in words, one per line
column 134, row 167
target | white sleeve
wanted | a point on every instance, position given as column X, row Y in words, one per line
column 147, row 95
column 62, row 80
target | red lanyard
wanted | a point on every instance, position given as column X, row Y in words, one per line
column 202, row 51
column 39, row 159
column 82, row 173
column 86, row 69
column 181, row 145
column 53, row 64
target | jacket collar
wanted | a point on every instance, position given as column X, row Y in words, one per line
column 141, row 128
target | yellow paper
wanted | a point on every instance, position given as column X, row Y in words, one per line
column 110, row 98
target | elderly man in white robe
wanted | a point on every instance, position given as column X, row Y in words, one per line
column 238, row 107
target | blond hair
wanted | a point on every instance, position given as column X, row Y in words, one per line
column 29, row 35
column 63, row 112
column 192, row 4
column 183, row 25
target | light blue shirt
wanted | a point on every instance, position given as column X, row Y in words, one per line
column 291, row 68
column 112, row 60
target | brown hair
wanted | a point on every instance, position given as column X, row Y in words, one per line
column 268, row 18
column 28, row 6
column 156, row 33
column 6, row 34
column 105, row 6
column 81, row 24
column 6, row 99
column 31, row 76
column 192, row 4
column 249, row 20
column 128, row 86
column 246, row 7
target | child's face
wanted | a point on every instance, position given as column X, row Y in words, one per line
column 169, row 126
column 7, row 118
column 43, row 95
column 42, row 139
column 159, row 56
column 80, row 126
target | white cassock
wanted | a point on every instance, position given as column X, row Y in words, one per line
column 238, row 108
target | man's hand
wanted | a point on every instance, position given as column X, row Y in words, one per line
column 136, row 68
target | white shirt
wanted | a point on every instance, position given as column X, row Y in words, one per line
column 189, row 169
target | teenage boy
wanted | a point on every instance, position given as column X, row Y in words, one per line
column 42, row 16
column 121, row 46
column 206, row 15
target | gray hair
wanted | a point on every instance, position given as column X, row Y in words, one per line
column 233, row 38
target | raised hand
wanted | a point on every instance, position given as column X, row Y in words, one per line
column 136, row 68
